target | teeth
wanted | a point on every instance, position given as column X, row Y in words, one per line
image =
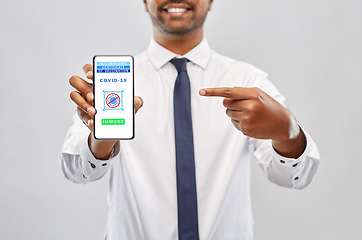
column 174, row 10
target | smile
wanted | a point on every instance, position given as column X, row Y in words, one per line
column 176, row 10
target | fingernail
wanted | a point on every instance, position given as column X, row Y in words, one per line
column 140, row 102
column 90, row 111
column 89, row 96
column 202, row 92
column 88, row 122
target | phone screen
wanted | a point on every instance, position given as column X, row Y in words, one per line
column 113, row 89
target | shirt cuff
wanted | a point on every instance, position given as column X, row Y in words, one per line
column 294, row 164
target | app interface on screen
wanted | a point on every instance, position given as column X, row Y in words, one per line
column 113, row 94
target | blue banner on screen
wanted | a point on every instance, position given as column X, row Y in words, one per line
column 113, row 67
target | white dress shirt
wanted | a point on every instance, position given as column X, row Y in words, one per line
column 142, row 189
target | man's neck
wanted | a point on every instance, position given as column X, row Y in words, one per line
column 176, row 43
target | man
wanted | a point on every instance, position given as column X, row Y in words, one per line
column 145, row 201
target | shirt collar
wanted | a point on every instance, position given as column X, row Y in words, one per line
column 159, row 56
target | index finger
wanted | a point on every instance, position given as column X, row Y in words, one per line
column 83, row 87
column 88, row 70
column 227, row 92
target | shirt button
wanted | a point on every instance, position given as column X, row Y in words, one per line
column 295, row 165
column 104, row 164
column 92, row 164
column 282, row 161
column 296, row 178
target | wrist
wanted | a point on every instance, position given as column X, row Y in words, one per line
column 101, row 149
column 292, row 147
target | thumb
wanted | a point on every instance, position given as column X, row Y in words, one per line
column 138, row 103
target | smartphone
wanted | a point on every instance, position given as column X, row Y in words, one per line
column 113, row 89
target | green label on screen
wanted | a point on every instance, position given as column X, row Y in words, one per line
column 118, row 121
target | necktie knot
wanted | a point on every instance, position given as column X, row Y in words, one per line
column 179, row 63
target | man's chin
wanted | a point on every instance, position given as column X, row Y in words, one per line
column 177, row 27
column 178, row 31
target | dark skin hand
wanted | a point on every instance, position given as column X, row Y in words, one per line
column 83, row 98
column 257, row 115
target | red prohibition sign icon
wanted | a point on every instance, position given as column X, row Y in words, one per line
column 113, row 100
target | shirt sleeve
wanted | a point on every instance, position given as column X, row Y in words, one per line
column 77, row 161
column 286, row 172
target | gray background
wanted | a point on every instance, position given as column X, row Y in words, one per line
column 311, row 49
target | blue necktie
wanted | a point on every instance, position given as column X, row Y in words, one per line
column 185, row 164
